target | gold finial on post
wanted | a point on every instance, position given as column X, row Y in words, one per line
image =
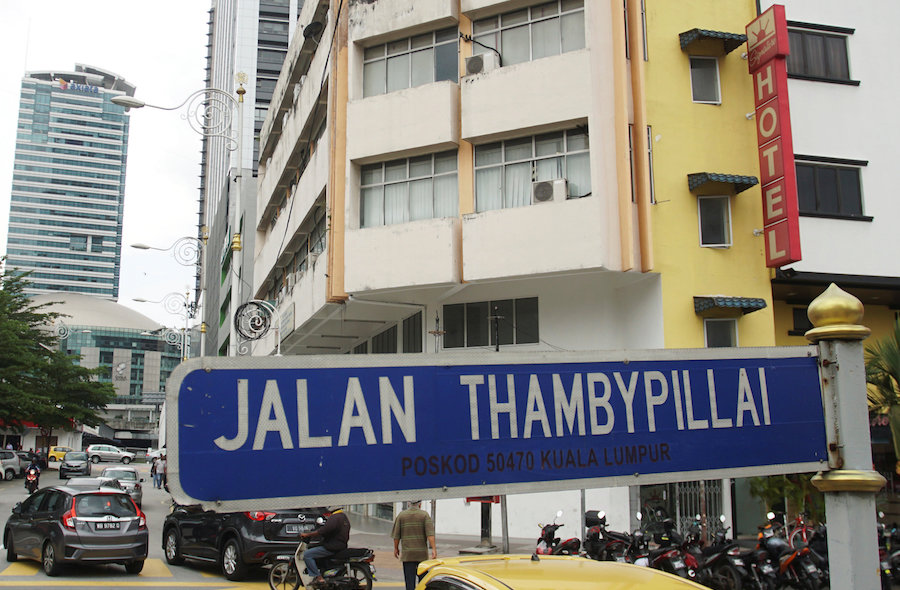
column 836, row 315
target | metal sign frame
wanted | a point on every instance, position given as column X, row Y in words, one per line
column 277, row 432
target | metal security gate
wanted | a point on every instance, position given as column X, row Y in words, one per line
column 697, row 497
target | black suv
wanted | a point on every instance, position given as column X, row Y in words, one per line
column 234, row 540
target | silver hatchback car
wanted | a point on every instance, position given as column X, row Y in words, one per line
column 62, row 525
column 129, row 479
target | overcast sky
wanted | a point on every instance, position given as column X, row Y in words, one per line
column 158, row 46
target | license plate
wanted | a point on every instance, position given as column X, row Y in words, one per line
column 768, row 533
column 810, row 567
column 677, row 563
column 767, row 569
column 737, row 561
column 107, row 526
column 292, row 529
column 620, row 558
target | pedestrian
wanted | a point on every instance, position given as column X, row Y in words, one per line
column 412, row 528
column 153, row 472
column 161, row 471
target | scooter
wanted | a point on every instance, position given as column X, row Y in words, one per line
column 549, row 544
column 32, row 477
column 793, row 565
column 601, row 543
column 350, row 569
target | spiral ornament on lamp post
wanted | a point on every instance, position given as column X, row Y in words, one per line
column 253, row 320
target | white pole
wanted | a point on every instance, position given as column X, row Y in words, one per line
column 851, row 485
column 236, row 246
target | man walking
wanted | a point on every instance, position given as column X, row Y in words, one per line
column 412, row 528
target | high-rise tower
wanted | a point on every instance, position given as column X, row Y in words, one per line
column 68, row 188
column 248, row 37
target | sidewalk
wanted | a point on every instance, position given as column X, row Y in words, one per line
column 376, row 535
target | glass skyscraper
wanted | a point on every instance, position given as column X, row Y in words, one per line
column 68, row 188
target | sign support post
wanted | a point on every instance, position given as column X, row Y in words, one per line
column 851, row 485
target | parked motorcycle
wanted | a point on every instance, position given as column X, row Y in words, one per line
column 350, row 569
column 549, row 544
column 721, row 564
column 793, row 565
column 32, row 477
column 670, row 556
column 602, row 544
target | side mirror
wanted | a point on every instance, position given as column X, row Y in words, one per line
column 559, row 513
column 770, row 515
column 638, row 515
column 722, row 519
column 17, row 509
column 601, row 514
column 142, row 479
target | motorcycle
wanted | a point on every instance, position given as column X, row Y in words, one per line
column 549, row 544
column 601, row 543
column 722, row 564
column 32, row 477
column 670, row 557
column 350, row 569
column 793, row 565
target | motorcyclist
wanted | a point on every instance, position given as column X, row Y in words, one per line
column 37, row 469
column 335, row 534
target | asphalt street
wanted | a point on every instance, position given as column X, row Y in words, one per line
column 366, row 532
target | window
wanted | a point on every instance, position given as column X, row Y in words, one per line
column 705, row 80
column 504, row 170
column 523, row 35
column 412, row 333
column 486, row 323
column 819, row 54
column 720, row 333
column 385, row 342
column 715, row 221
column 829, row 189
column 410, row 62
column 801, row 322
column 404, row 190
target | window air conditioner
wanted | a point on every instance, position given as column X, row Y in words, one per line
column 479, row 64
column 545, row 191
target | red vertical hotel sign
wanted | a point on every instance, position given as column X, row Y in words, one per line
column 767, row 47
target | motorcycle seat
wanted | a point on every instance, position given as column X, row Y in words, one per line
column 349, row 553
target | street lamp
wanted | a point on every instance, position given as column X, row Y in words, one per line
column 209, row 113
column 253, row 320
column 187, row 251
column 178, row 304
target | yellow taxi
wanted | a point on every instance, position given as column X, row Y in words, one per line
column 57, row 453
column 542, row 572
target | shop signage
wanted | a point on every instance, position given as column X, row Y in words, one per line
column 767, row 46
column 72, row 85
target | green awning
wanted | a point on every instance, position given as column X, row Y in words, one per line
column 730, row 41
column 740, row 183
column 720, row 305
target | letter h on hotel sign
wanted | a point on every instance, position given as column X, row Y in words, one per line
column 767, row 47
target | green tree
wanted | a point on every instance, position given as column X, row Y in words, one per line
column 794, row 492
column 883, row 376
column 37, row 383
column 24, row 331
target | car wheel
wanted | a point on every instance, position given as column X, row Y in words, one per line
column 95, row 459
column 9, row 475
column 48, row 560
column 134, row 567
column 11, row 554
column 126, row 460
column 233, row 566
column 51, row 458
column 173, row 547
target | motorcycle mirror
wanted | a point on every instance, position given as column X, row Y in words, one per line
column 601, row 514
column 638, row 515
column 770, row 515
column 697, row 517
column 880, row 514
column 558, row 513
column 722, row 518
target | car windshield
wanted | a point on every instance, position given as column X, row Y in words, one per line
column 76, row 456
column 104, row 505
column 120, row 474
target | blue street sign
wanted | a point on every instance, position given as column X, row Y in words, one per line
column 310, row 430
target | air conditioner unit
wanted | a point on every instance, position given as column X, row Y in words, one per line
column 546, row 191
column 479, row 64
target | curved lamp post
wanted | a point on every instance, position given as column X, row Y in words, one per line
column 211, row 113
column 187, row 251
column 177, row 304
column 254, row 319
